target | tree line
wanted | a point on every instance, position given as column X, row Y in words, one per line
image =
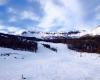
column 18, row 42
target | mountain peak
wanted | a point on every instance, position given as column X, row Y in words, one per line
column 96, row 30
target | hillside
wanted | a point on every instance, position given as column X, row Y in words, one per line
column 49, row 65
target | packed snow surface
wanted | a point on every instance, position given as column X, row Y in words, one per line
column 49, row 65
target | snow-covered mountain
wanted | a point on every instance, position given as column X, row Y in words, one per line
column 92, row 32
column 52, row 35
column 43, row 35
column 78, row 33
column 95, row 31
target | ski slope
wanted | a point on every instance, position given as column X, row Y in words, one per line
column 49, row 65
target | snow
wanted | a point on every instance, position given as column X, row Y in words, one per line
column 95, row 31
column 43, row 35
column 82, row 33
column 52, row 35
column 64, row 64
column 92, row 32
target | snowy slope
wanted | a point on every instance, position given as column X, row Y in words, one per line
column 48, row 65
column 95, row 31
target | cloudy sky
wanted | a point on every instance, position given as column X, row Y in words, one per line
column 49, row 15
